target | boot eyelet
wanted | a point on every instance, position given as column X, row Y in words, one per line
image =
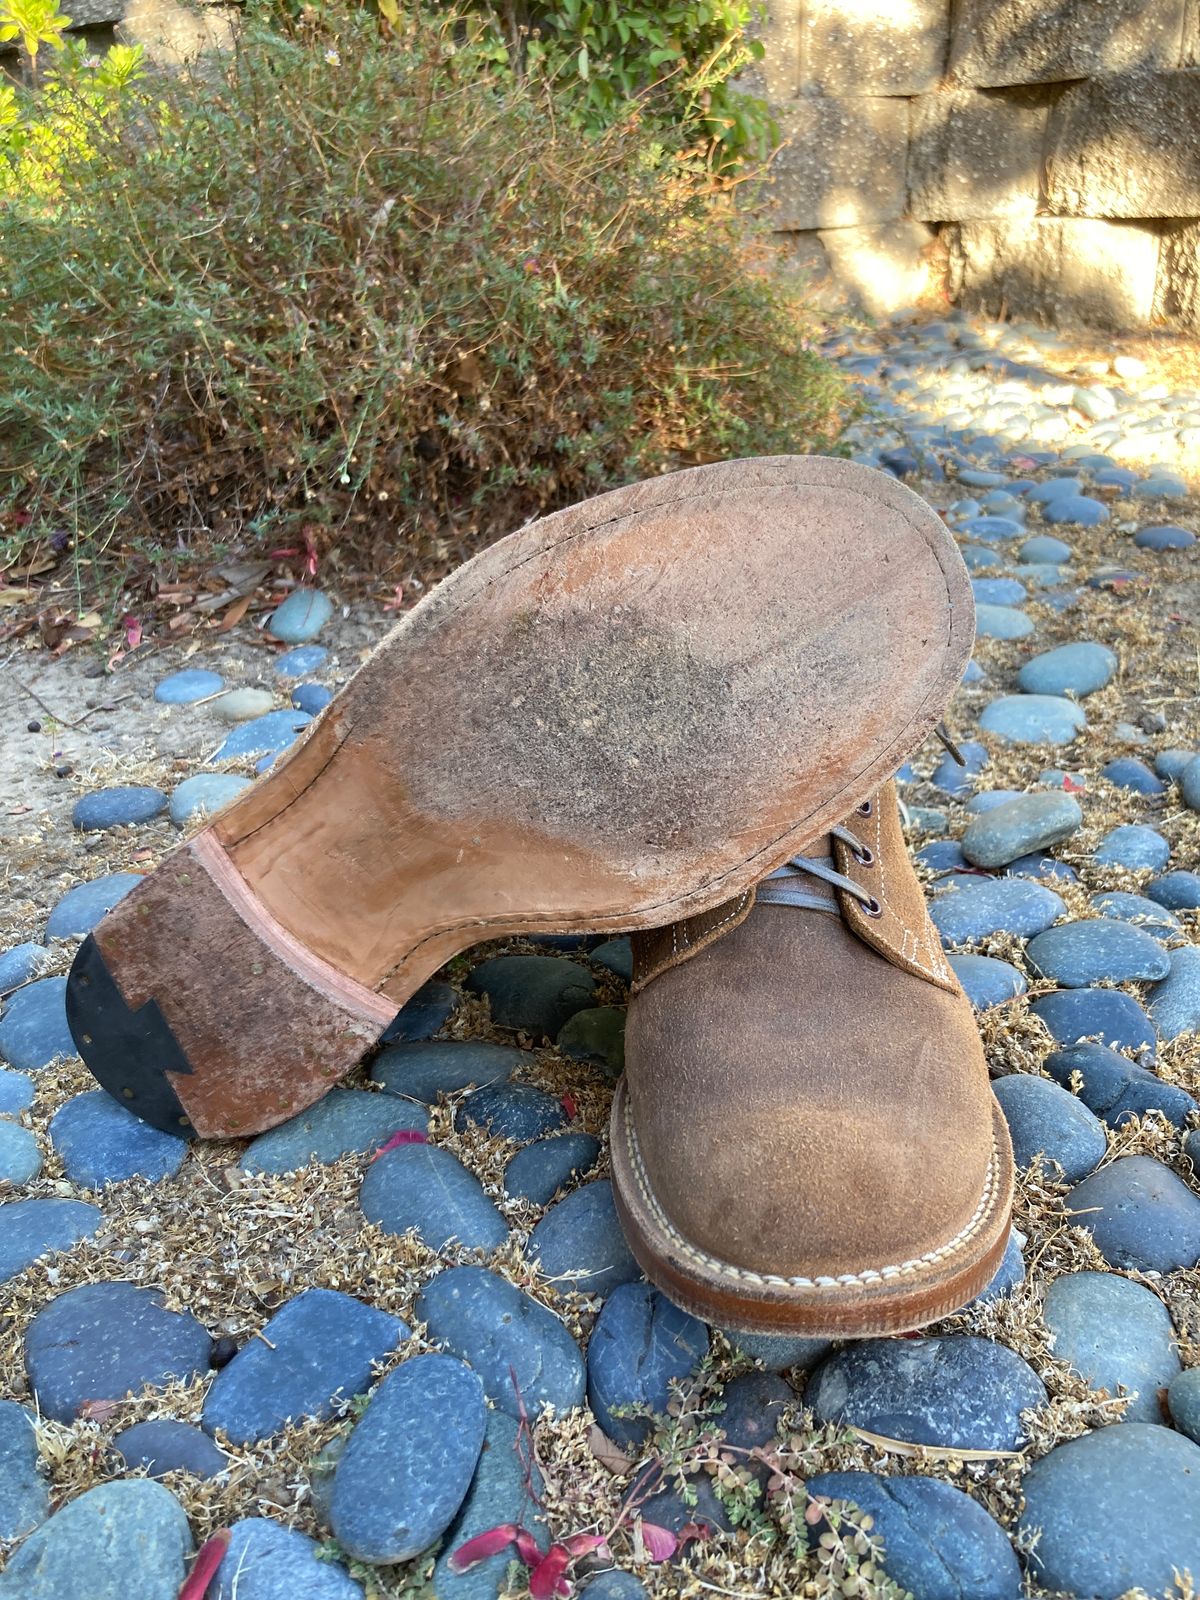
column 872, row 908
column 864, row 810
column 865, row 856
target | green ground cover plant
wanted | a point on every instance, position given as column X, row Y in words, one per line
column 355, row 284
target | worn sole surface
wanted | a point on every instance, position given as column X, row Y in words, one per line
column 878, row 1298
column 623, row 714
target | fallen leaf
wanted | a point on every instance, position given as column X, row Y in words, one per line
column 661, row 1544
column 204, row 1569
column 548, row 1578
column 606, row 1452
column 405, row 1136
column 235, row 614
column 905, row 1447
column 483, row 1546
column 96, row 1410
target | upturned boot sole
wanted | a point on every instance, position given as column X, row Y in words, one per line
column 623, row 714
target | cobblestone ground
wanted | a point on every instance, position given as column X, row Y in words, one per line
column 189, row 1334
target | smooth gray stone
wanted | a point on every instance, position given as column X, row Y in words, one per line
column 239, row 705
column 82, row 907
column 1178, row 891
column 939, row 1543
column 1042, row 550
column 579, row 1245
column 535, row 993
column 500, row 1493
column 1128, row 772
column 264, row 736
column 1045, row 1119
column 24, row 1492
column 525, row 1356
column 616, row 955
column 20, row 964
column 1116, row 1019
column 183, row 688
column 540, row 1170
column 987, row 981
column 427, row 1189
column 516, row 1111
column 1021, row 825
column 20, row 1158
column 995, row 905
column 1170, row 764
column 1033, row 719
column 409, row 1462
column 960, row 1391
column 303, row 659
column 423, row 1014
column 640, row 1343
column 301, row 616
column 596, row 1035
column 1054, row 489
column 1078, row 954
column 1113, row 1510
column 164, row 1445
column 1001, row 622
column 779, row 1352
column 1183, row 1402
column 205, row 792
column 33, row 1029
column 100, row 1142
column 30, row 1229
column 1133, row 845
column 1009, row 1275
column 125, row 1540
column 1175, row 1002
column 1116, row 1088
column 102, row 1341
column 988, row 800
column 1139, row 910
column 1116, row 1335
column 267, row 1562
column 342, row 1123
column 117, row 807
column 1141, row 1215
column 1079, row 511
column 1079, row 669
column 998, row 591
column 1189, row 784
column 613, row 1585
column 322, row 1347
column 426, row 1069
column 16, row 1092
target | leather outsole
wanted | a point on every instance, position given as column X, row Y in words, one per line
column 624, row 714
column 879, row 1298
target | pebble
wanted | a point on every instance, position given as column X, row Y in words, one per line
column 82, row 907
column 987, row 981
column 941, row 855
column 579, row 1245
column 16, row 1092
column 186, row 687
column 1116, row 1335
column 424, row 1071
column 500, row 1493
column 20, row 1158
column 1009, row 1275
column 978, row 558
column 596, row 1035
column 613, row 1585
column 507, row 1337
column 311, row 697
column 343, row 1122
column 639, row 1345
column 1136, row 908
column 992, row 530
column 1018, row 826
column 427, row 1189
column 103, row 1341
column 1001, row 622
column 1078, row 669
column 1044, row 551
column 408, row 1465
column 264, row 736
column 1183, row 1402
column 322, row 1346
column 117, row 807
column 995, row 905
column 423, row 1014
column 33, row 1029
column 1054, row 489
column 1077, row 510
column 1141, row 1215
column 1116, row 1088
column 1039, row 865
column 125, row 1540
column 1113, row 1018
column 1178, row 891
column 957, row 778
column 1166, row 536
column 163, row 1445
column 100, row 1142
column 534, row 993
column 514, row 1111
column 540, row 1170
column 1133, row 845
column 940, row 1544
column 1175, row 1002
column 204, row 795
column 24, row 1492
column 1127, row 772
column 616, row 956
column 31, row 1229
column 963, row 1392
column 998, row 591
column 301, row 616
column 264, row 1561
column 1113, row 1510
column 754, row 1406
column 1033, row 719
column 1097, row 950
column 304, row 659
column 1189, row 784
column 1044, row 1119
column 239, row 705
column 19, row 965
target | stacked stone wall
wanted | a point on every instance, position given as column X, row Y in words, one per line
column 1033, row 157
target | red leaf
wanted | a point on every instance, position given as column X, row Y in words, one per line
column 693, row 1530
column 1071, row 787
column 97, row 1410
column 133, row 632
column 527, row 1548
column 204, row 1568
column 482, row 1546
column 569, row 1104
column 547, row 1578
column 405, row 1136
column 582, row 1544
column 661, row 1544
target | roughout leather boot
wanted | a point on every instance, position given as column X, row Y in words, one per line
column 623, row 714
column 805, row 1139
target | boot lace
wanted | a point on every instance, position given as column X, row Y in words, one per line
column 787, row 885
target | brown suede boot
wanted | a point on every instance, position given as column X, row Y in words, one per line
column 805, row 1139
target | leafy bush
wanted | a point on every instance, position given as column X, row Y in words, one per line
column 360, row 290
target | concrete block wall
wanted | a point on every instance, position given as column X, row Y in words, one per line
column 1033, row 157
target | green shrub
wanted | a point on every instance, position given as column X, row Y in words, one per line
column 356, row 290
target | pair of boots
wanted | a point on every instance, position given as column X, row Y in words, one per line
column 674, row 709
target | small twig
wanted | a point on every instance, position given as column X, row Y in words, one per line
column 48, row 709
